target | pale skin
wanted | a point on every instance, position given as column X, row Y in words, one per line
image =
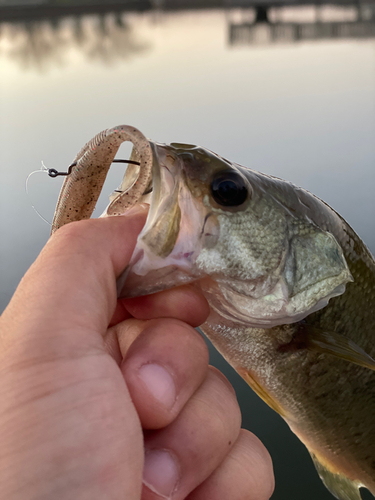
column 115, row 400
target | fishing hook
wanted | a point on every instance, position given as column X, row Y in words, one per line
column 52, row 172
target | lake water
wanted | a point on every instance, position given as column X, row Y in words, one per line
column 303, row 111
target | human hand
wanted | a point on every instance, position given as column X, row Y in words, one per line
column 86, row 408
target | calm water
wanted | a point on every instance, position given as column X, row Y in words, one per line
column 302, row 111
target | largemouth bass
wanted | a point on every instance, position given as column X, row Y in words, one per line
column 290, row 285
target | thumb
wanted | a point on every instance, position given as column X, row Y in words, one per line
column 68, row 296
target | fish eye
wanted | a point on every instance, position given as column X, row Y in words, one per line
column 229, row 189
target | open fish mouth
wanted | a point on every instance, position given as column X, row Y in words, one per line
column 175, row 232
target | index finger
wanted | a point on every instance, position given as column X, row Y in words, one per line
column 69, row 294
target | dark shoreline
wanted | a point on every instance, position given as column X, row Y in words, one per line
column 10, row 13
column 34, row 12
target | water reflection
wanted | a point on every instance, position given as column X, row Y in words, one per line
column 43, row 44
column 258, row 27
column 109, row 38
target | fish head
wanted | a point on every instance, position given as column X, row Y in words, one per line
column 243, row 237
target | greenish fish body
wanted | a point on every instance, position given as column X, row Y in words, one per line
column 292, row 294
column 290, row 285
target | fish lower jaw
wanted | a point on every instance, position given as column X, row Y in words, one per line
column 148, row 273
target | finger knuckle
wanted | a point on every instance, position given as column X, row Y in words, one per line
column 74, row 232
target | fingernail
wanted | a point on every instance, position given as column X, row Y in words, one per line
column 161, row 472
column 159, row 382
column 137, row 209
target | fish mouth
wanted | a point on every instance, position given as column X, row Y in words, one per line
column 173, row 235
